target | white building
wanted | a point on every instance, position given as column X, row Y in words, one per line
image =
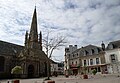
column 103, row 59
column 68, row 51
column 54, row 67
column 90, row 56
column 112, row 57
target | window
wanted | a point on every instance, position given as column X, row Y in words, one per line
column 93, row 51
column 88, row 61
column 111, row 46
column 72, row 63
column 73, row 55
column 98, row 50
column 113, row 59
column 91, row 61
column 86, row 52
column 84, row 62
column 97, row 60
column 76, row 62
column 69, row 55
column 2, row 61
column 67, row 50
column 77, row 54
column 99, row 69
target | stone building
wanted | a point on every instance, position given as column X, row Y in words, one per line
column 90, row 56
column 30, row 57
column 54, row 68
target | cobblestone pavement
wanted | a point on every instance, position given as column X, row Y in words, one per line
column 73, row 79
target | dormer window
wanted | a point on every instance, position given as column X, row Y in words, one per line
column 93, row 51
column 98, row 50
column 86, row 52
column 111, row 46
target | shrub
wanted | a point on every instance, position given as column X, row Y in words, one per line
column 94, row 71
column 16, row 71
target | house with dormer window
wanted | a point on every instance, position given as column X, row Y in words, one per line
column 90, row 56
column 112, row 57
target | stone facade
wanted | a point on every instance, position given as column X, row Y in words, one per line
column 30, row 57
column 112, row 57
column 89, row 56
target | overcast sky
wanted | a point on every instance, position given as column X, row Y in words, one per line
column 82, row 22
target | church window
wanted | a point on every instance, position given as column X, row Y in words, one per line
column 2, row 61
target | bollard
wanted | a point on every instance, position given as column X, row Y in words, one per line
column 16, row 81
column 51, row 81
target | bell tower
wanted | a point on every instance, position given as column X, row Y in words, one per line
column 32, row 57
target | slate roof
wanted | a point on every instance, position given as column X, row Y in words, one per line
column 115, row 44
column 7, row 48
column 87, row 48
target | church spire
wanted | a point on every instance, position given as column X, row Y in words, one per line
column 40, row 40
column 33, row 37
column 33, row 30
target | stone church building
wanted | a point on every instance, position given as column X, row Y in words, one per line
column 30, row 57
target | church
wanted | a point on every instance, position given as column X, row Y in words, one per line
column 30, row 57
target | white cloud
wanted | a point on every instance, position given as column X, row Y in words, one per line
column 83, row 22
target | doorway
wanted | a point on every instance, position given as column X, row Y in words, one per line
column 30, row 71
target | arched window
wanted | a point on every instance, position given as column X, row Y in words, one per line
column 2, row 62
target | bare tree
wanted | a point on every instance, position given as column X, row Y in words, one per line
column 51, row 44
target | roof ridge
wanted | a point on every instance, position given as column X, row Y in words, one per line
column 10, row 43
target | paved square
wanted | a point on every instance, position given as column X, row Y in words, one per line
column 74, row 79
